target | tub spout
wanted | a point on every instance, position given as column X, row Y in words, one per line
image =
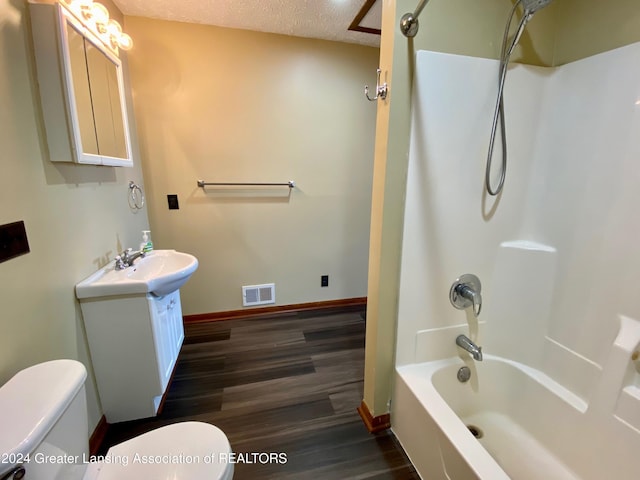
column 475, row 351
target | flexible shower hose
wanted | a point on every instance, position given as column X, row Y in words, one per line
column 505, row 55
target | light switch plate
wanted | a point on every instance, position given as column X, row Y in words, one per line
column 13, row 241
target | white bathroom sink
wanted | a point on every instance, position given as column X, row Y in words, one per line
column 160, row 272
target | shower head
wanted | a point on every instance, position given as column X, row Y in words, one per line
column 532, row 6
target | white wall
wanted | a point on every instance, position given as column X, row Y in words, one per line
column 451, row 226
column 556, row 254
column 583, row 199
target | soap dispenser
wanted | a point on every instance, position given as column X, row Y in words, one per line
column 147, row 245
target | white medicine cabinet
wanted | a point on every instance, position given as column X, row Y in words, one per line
column 81, row 90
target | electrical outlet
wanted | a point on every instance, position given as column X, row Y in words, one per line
column 324, row 281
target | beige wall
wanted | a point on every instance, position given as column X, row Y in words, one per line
column 588, row 27
column 227, row 105
column 564, row 31
column 387, row 207
column 476, row 29
column 76, row 217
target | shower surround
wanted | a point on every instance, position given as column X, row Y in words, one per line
column 556, row 253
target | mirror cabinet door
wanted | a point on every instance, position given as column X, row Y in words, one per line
column 88, row 142
column 107, row 108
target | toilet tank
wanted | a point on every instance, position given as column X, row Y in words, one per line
column 43, row 419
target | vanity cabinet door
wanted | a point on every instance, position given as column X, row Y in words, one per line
column 168, row 332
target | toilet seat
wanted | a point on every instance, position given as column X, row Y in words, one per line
column 186, row 450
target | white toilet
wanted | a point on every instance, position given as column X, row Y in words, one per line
column 43, row 429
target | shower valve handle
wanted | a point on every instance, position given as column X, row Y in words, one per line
column 465, row 293
column 476, row 299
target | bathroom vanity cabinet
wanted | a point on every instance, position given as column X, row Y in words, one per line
column 134, row 341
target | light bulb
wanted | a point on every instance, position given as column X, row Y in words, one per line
column 125, row 42
column 100, row 15
column 97, row 19
column 114, row 28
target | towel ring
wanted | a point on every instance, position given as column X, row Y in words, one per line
column 136, row 196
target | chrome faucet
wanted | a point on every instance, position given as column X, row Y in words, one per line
column 466, row 343
column 126, row 258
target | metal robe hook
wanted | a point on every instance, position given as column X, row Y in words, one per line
column 381, row 90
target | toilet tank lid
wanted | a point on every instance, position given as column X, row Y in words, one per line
column 32, row 401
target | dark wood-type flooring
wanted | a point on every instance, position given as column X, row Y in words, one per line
column 289, row 383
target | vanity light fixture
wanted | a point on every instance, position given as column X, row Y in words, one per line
column 95, row 17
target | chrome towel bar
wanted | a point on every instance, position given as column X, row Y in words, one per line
column 202, row 183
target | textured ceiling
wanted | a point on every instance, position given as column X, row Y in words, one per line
column 325, row 19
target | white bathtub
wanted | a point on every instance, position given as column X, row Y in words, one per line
column 532, row 427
